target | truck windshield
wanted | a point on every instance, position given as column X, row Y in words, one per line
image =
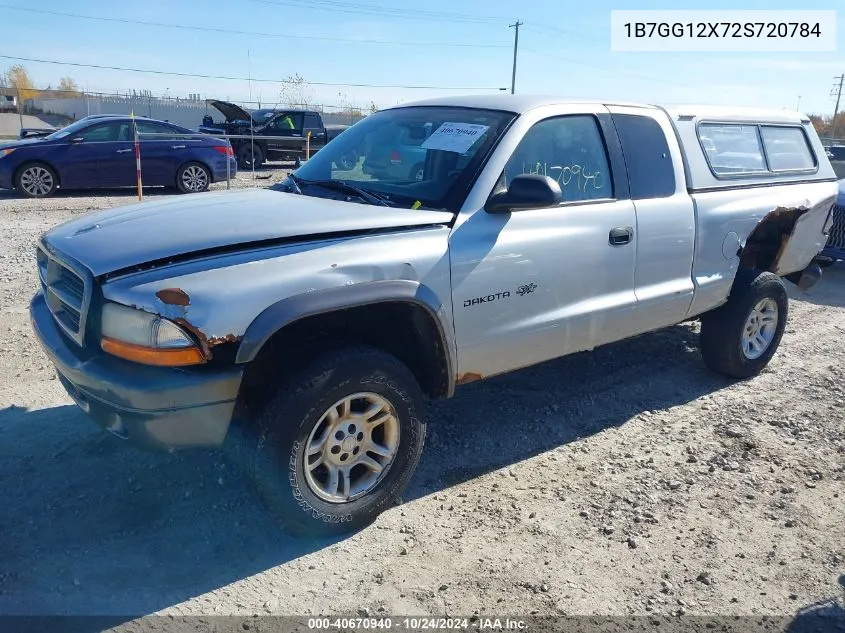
column 420, row 157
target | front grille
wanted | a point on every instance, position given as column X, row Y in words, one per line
column 836, row 239
column 65, row 292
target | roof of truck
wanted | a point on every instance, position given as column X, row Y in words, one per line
column 508, row 102
column 522, row 103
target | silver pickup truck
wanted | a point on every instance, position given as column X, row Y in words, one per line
column 302, row 328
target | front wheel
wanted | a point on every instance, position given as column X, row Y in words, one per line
column 338, row 446
column 739, row 338
column 36, row 180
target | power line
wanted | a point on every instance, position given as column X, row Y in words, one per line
column 387, row 12
column 548, row 31
column 615, row 71
column 263, row 80
column 251, row 33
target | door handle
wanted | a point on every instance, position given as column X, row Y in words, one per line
column 177, row 147
column 621, row 235
column 120, row 151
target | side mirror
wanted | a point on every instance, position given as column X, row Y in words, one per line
column 527, row 191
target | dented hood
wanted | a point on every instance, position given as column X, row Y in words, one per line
column 114, row 239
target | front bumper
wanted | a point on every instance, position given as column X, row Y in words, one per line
column 154, row 408
column 835, row 247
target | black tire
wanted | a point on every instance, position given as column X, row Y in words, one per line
column 36, row 180
column 275, row 454
column 348, row 161
column 246, row 155
column 193, row 178
column 721, row 339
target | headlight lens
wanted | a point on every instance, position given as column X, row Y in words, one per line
column 146, row 338
column 6, row 152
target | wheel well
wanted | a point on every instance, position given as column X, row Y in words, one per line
column 403, row 329
column 763, row 246
column 37, row 162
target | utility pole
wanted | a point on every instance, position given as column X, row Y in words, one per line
column 515, row 46
column 838, row 90
column 20, row 105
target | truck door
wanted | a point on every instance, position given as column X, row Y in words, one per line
column 665, row 216
column 536, row 284
column 292, row 141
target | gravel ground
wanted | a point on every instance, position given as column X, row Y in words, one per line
column 625, row 481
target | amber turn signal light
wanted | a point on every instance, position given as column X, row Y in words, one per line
column 159, row 356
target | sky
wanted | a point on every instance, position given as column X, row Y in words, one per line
column 462, row 47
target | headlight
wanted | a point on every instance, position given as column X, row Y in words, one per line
column 6, row 152
column 146, row 338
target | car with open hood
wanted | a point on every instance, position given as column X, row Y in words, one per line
column 272, row 134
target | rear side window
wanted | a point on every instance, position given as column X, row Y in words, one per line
column 650, row 170
column 312, row 122
column 732, row 149
column 736, row 149
column 787, row 148
column 149, row 131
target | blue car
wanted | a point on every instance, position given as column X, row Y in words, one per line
column 100, row 153
column 835, row 248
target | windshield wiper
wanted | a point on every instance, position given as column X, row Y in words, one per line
column 340, row 185
column 295, row 180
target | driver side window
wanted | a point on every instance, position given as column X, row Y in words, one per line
column 570, row 150
column 288, row 123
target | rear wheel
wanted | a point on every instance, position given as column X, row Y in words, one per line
column 739, row 338
column 193, row 178
column 348, row 161
column 417, row 172
column 36, row 180
column 248, row 153
column 338, row 444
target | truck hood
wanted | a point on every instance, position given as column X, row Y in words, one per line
column 231, row 111
column 120, row 238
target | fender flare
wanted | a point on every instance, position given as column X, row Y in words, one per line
column 298, row 307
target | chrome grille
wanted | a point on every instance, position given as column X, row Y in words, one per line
column 836, row 238
column 65, row 292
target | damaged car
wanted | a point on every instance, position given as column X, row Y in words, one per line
column 834, row 249
column 304, row 329
column 270, row 134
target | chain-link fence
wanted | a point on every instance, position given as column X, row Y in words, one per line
column 181, row 111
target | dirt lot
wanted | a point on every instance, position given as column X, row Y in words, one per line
column 626, row 481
